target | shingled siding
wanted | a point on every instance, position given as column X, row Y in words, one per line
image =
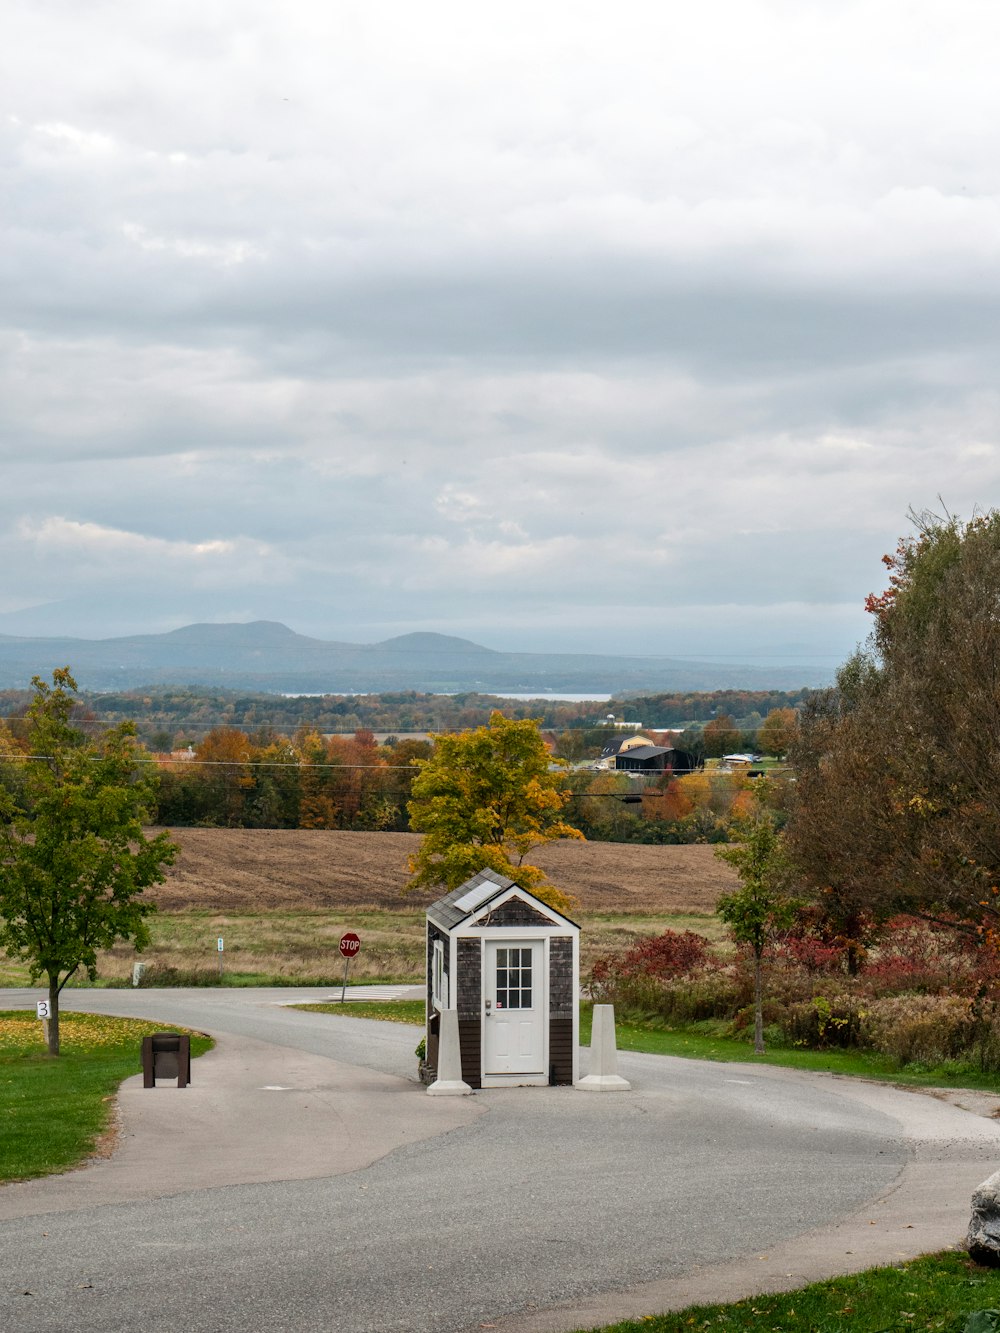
column 469, row 997
column 561, row 1000
column 561, row 976
column 470, row 1045
column 561, row 1051
column 468, row 1002
column 515, row 912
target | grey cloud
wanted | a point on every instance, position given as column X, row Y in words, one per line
column 309, row 318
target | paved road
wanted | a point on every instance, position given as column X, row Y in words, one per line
column 305, row 1183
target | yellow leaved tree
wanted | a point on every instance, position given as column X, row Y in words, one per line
column 484, row 799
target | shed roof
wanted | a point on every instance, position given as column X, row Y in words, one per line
column 475, row 893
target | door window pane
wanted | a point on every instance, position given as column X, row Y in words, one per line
column 513, row 979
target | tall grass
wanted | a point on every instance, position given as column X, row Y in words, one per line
column 300, row 948
column 923, row 999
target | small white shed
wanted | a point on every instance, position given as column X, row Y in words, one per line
column 510, row 965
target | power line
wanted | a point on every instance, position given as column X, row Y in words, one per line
column 182, row 763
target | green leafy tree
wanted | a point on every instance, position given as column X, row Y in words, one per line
column 761, row 907
column 484, row 799
column 74, row 860
column 692, row 742
column 11, row 761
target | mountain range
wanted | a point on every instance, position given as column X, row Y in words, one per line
column 266, row 656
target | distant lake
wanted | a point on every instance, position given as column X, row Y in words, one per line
column 554, row 696
column 550, row 695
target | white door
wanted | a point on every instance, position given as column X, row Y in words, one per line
column 514, row 1025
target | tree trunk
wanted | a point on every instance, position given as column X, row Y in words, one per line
column 53, row 1015
column 758, row 1004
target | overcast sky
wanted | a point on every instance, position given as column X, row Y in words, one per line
column 560, row 326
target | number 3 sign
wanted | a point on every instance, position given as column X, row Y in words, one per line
column 42, row 1009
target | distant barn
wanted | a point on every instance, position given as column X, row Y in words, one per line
column 619, row 745
column 655, row 759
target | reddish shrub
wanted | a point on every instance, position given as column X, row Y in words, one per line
column 921, row 957
column 671, row 954
column 821, row 942
column 656, row 957
column 815, row 955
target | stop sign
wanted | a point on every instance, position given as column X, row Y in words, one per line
column 350, row 944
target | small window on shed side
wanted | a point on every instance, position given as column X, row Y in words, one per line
column 439, row 980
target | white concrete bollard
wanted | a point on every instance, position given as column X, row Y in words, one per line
column 449, row 1081
column 603, row 1076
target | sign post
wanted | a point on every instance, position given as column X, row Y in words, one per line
column 220, row 948
column 44, row 1012
column 350, row 944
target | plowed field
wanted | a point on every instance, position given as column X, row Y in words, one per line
column 260, row 870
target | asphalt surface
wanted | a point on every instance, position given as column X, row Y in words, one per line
column 304, row 1182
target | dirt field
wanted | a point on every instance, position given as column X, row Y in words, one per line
column 259, row 870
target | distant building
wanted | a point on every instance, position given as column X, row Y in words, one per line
column 620, row 745
column 738, row 760
column 655, row 759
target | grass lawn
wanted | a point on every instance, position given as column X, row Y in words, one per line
column 936, row 1292
column 385, row 1011
column 696, row 1043
column 53, row 1111
column 276, row 948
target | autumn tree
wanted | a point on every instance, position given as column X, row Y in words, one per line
column 842, row 831
column 777, row 731
column 605, row 805
column 720, row 736
column 224, row 758
column 666, row 799
column 402, row 760
column 359, row 782
column 898, row 769
column 74, row 859
column 317, row 808
column 761, row 907
column 484, row 799
column 274, row 797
